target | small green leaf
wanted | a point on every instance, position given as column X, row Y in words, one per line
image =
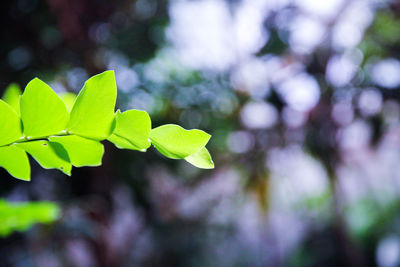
column 68, row 99
column 131, row 130
column 201, row 159
column 11, row 96
column 15, row 161
column 81, row 151
column 92, row 115
column 48, row 154
column 10, row 124
column 177, row 143
column 43, row 112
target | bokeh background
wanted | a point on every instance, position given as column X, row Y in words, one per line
column 301, row 97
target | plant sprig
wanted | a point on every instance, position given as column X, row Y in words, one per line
column 23, row 215
column 58, row 136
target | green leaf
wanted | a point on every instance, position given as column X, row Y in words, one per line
column 81, row 151
column 201, row 159
column 43, row 113
column 92, row 115
column 177, row 143
column 10, row 124
column 131, row 130
column 15, row 161
column 21, row 216
column 68, row 99
column 48, row 154
column 11, row 96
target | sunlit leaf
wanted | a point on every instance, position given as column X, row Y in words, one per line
column 81, row 151
column 57, row 139
column 43, row 112
column 177, row 143
column 131, row 130
column 92, row 115
column 48, row 154
column 15, row 161
column 21, row 216
column 10, row 124
column 68, row 99
column 201, row 159
column 11, row 96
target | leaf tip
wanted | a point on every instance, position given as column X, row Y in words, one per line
column 110, row 73
column 35, row 80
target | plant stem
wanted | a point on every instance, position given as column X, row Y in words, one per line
column 43, row 138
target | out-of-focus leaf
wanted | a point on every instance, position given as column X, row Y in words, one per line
column 201, row 159
column 131, row 130
column 48, row 154
column 92, row 115
column 15, row 161
column 21, row 216
column 81, row 151
column 385, row 28
column 11, row 96
column 177, row 143
column 10, row 124
column 43, row 113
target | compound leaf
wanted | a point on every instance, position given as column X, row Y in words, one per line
column 11, row 96
column 92, row 115
column 48, row 154
column 177, row 143
column 10, row 124
column 81, row 151
column 201, row 159
column 43, row 112
column 131, row 130
column 70, row 128
column 15, row 161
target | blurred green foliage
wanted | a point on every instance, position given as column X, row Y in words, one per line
column 22, row 216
